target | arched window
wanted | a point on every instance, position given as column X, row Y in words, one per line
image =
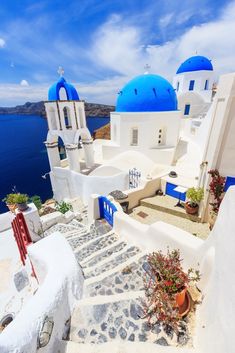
column 67, row 118
column 134, row 136
column 177, row 86
column 61, row 148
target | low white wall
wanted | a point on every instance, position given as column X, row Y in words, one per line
column 158, row 236
column 60, row 285
column 69, row 184
column 5, row 221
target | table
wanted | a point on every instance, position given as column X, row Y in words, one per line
column 180, row 190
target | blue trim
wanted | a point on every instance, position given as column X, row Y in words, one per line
column 171, row 192
column 107, row 209
column 229, row 182
column 54, row 91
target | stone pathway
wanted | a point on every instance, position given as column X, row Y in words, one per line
column 111, row 310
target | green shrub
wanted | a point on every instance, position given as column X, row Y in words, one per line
column 10, row 199
column 37, row 201
column 21, row 198
column 195, row 196
column 63, row 207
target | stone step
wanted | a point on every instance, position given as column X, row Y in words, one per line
column 103, row 255
column 121, row 258
column 120, row 321
column 96, row 245
column 130, row 278
column 77, row 240
column 60, row 227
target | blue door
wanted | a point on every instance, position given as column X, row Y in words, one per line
column 107, row 209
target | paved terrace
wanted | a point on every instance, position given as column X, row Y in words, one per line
column 162, row 208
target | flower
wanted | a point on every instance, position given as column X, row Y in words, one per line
column 216, row 189
column 165, row 278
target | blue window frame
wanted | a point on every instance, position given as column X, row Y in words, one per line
column 186, row 109
column 206, row 85
column 191, row 85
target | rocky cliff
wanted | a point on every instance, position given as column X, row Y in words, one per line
column 92, row 109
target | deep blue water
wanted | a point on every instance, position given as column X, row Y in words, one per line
column 23, row 156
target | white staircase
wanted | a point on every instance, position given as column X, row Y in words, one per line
column 110, row 314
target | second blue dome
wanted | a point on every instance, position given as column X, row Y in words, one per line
column 195, row 63
column 147, row 93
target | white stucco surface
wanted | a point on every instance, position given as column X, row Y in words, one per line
column 60, row 285
column 215, row 316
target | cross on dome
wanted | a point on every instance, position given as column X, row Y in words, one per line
column 147, row 67
column 60, row 71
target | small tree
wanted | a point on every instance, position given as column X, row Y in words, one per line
column 195, row 196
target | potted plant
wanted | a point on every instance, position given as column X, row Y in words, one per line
column 216, row 189
column 166, row 285
column 194, row 196
column 21, row 201
column 10, row 202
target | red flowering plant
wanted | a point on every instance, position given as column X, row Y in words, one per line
column 165, row 278
column 216, row 189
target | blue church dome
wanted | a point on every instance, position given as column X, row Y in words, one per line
column 54, row 91
column 147, row 93
column 195, row 63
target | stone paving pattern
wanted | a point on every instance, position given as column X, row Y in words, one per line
column 95, row 246
column 107, row 253
column 121, row 321
column 130, row 252
column 120, row 282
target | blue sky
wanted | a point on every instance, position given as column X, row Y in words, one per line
column 102, row 44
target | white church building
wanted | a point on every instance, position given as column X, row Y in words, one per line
column 156, row 128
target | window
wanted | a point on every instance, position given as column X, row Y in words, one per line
column 191, row 85
column 186, row 109
column 134, row 137
column 161, row 136
column 206, row 85
column 67, row 119
column 177, row 86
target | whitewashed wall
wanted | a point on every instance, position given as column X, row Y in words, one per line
column 60, row 285
column 148, row 124
column 69, row 184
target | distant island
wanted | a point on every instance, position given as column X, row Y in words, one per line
column 91, row 109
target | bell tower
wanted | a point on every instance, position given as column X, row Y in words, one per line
column 67, row 121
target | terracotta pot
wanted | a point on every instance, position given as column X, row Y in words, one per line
column 12, row 207
column 191, row 210
column 22, row 206
column 180, row 297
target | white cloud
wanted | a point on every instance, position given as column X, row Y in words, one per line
column 2, row 43
column 120, row 46
column 24, row 83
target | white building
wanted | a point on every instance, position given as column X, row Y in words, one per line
column 146, row 120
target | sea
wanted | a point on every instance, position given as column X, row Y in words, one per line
column 23, row 156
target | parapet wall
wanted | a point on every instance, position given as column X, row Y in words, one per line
column 60, row 285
